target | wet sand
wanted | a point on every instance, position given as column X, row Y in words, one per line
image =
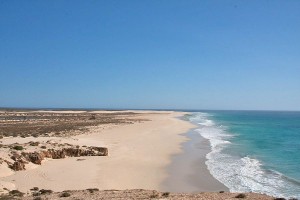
column 188, row 171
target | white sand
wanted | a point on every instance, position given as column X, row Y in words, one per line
column 138, row 156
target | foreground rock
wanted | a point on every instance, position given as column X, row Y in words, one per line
column 134, row 194
column 19, row 160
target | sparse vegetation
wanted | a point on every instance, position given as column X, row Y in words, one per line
column 5, row 197
column 43, row 191
column 92, row 190
column 18, row 148
column 36, row 194
column 165, row 194
column 93, row 117
column 35, row 189
column 34, row 143
column 65, row 194
column 240, row 196
column 154, row 195
column 59, row 124
column 16, row 193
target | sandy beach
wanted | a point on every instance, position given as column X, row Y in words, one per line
column 154, row 151
column 139, row 155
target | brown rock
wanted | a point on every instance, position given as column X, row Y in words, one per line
column 38, row 157
column 34, row 157
column 101, row 151
column 18, row 165
column 56, row 154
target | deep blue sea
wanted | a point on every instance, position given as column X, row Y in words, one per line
column 253, row 151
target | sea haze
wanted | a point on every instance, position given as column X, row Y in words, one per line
column 253, row 151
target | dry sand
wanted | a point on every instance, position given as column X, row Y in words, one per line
column 139, row 156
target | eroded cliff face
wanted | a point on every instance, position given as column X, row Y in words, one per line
column 20, row 159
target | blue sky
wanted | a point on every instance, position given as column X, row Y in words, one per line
column 150, row 54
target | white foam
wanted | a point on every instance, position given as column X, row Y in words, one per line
column 238, row 174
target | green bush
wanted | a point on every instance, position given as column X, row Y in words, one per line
column 19, row 148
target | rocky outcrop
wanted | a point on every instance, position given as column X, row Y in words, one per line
column 76, row 152
column 18, row 165
column 34, row 157
column 37, row 157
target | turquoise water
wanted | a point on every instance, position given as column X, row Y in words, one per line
column 253, row 151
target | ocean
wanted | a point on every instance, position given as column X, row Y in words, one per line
column 253, row 151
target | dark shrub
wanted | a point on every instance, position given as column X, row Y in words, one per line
column 240, row 196
column 65, row 194
column 34, row 143
column 35, row 188
column 36, row 194
column 154, row 195
column 5, row 197
column 165, row 194
column 93, row 117
column 16, row 193
column 19, row 148
column 92, row 190
column 42, row 191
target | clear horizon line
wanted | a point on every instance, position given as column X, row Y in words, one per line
column 118, row 109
